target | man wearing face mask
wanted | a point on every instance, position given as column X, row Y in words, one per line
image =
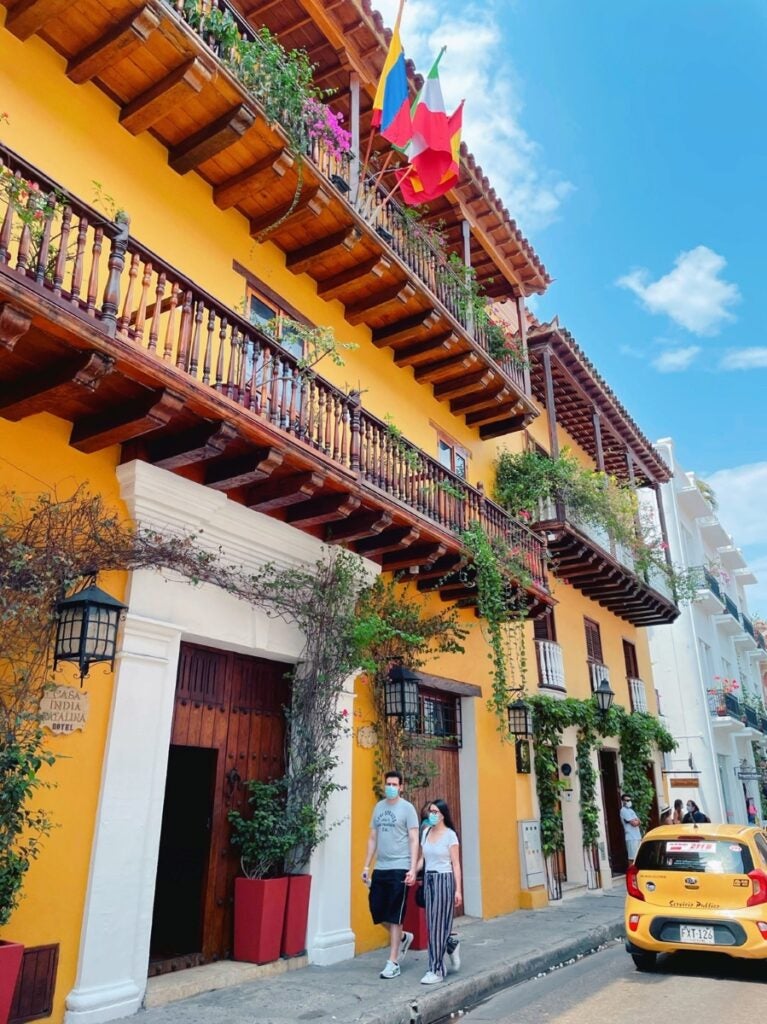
column 631, row 828
column 393, row 842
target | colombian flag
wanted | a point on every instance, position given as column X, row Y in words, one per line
column 414, row 190
column 391, row 109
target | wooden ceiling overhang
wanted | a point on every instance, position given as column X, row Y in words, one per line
column 579, row 393
column 349, row 35
column 578, row 560
column 167, row 81
column 169, row 374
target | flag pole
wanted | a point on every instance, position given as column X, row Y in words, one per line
column 366, row 161
column 404, row 177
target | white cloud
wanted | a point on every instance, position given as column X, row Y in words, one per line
column 745, row 359
column 742, row 496
column 476, row 68
column 693, row 294
column 676, row 359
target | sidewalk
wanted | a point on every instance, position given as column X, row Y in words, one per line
column 494, row 955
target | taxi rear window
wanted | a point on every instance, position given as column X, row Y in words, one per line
column 705, row 856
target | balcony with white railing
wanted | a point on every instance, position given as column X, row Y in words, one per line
column 638, row 695
column 597, row 672
column 551, row 667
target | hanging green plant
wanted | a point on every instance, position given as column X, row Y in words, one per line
column 499, row 575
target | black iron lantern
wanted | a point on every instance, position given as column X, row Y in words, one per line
column 604, row 695
column 520, row 719
column 86, row 631
column 401, row 696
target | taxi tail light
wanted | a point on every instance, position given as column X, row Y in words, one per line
column 762, row 926
column 632, row 888
column 634, row 924
column 759, row 883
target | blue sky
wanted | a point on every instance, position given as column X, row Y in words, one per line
column 628, row 140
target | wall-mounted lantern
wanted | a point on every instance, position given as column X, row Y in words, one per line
column 604, row 695
column 520, row 720
column 401, row 697
column 86, row 631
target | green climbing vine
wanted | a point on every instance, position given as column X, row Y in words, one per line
column 638, row 733
column 499, row 574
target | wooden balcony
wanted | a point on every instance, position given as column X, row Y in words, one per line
column 166, row 79
column 102, row 332
column 589, row 561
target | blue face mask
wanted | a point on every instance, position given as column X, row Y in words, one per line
column 391, row 792
column 433, row 819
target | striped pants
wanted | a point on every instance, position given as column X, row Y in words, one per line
column 439, row 890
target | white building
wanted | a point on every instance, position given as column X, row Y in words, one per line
column 707, row 666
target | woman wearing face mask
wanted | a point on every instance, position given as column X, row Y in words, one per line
column 442, row 889
column 694, row 814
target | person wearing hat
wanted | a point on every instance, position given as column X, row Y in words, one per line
column 631, row 828
column 666, row 816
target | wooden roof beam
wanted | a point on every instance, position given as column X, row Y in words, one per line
column 333, row 287
column 288, row 490
column 46, row 389
column 214, row 138
column 242, row 470
column 115, row 45
column 403, row 330
column 301, row 260
column 400, row 292
column 125, row 421
column 253, row 179
column 202, row 442
column 159, row 99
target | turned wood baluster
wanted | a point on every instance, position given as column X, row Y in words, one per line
column 320, row 431
column 274, row 410
column 208, row 346
column 124, row 321
column 303, row 403
column 6, row 231
column 159, row 298
column 330, row 418
column 345, row 432
column 266, row 373
column 364, row 448
column 61, row 255
column 194, row 352
column 48, row 210
column 221, row 354
column 294, row 385
column 285, row 398
column 111, row 301
column 254, row 398
column 171, row 324
column 238, row 347
column 355, row 439
column 311, row 408
column 79, row 261
column 185, row 332
column 93, row 277
column 25, row 244
column 229, row 379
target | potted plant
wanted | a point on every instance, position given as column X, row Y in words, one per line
column 271, row 901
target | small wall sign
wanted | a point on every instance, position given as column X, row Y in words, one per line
column 522, row 750
column 64, row 709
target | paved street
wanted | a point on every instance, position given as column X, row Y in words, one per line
column 606, row 987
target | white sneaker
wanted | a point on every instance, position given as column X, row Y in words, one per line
column 430, row 978
column 405, row 944
column 391, row 970
column 455, row 957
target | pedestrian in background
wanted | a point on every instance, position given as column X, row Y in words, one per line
column 393, row 841
column 666, row 816
column 678, row 812
column 631, row 828
column 694, row 814
column 442, row 888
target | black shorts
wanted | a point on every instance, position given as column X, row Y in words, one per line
column 388, row 896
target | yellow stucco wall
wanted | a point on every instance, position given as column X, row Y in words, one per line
column 35, row 458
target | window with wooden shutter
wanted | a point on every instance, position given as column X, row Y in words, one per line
column 544, row 627
column 593, row 641
column 630, row 658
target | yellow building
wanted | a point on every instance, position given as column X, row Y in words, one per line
column 132, row 359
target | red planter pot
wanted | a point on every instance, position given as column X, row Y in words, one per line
column 10, row 965
column 259, row 915
column 296, row 915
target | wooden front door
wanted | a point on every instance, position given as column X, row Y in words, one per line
column 228, row 727
column 611, row 801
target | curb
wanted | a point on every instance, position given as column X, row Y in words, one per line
column 464, row 993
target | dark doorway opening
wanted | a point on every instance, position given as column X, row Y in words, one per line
column 611, row 800
column 182, row 868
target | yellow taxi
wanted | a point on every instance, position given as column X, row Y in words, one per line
column 698, row 887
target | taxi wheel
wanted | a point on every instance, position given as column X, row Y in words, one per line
column 644, row 961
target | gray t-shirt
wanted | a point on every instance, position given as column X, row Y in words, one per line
column 436, row 852
column 393, row 823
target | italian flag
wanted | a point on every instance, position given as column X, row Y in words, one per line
column 430, row 150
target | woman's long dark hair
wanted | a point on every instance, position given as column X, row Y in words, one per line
column 444, row 810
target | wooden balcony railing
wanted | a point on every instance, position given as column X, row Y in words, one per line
column 94, row 266
column 411, row 244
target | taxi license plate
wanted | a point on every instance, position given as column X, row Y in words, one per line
column 696, row 933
